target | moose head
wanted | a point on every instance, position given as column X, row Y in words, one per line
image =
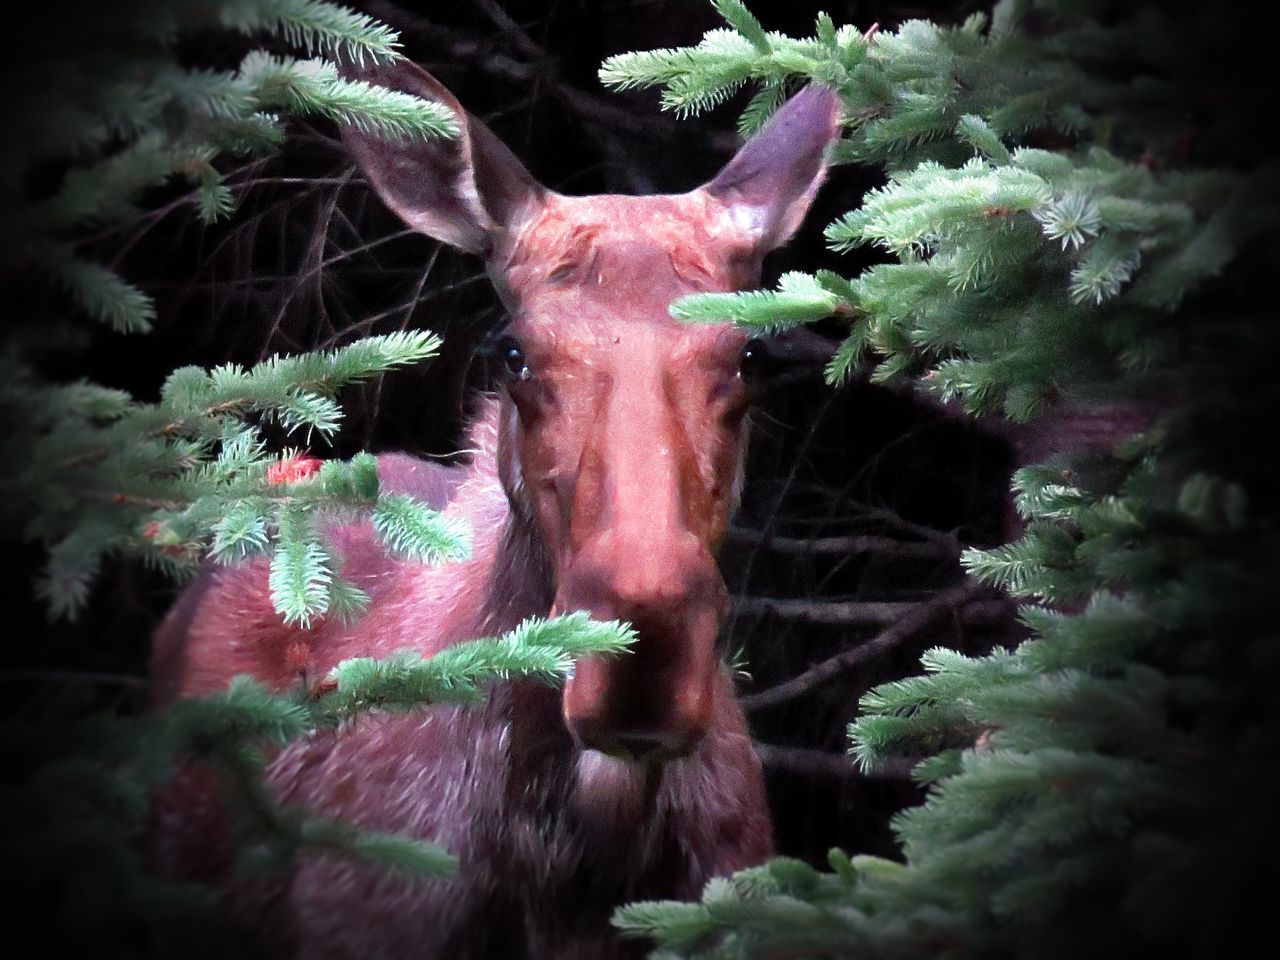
column 622, row 431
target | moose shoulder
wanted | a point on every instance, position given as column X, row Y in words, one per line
column 603, row 480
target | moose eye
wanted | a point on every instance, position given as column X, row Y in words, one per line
column 753, row 365
column 511, row 360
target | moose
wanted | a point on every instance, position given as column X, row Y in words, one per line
column 602, row 478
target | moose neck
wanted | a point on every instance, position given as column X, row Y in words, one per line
column 519, row 582
column 508, row 577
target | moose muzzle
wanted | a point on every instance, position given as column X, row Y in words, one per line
column 655, row 702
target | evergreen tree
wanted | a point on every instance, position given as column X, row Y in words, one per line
column 91, row 471
column 1073, row 221
column 117, row 120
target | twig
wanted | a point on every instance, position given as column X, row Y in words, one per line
column 859, row 613
column 861, row 512
column 790, row 478
column 919, row 617
column 105, row 496
column 504, row 22
column 880, row 514
column 846, row 546
column 823, row 764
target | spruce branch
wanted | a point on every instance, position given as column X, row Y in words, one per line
column 1042, row 256
column 409, row 529
column 539, row 648
column 741, row 19
column 800, row 299
column 168, row 480
column 314, row 86
column 315, row 25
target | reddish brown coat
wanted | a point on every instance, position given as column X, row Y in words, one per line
column 602, row 479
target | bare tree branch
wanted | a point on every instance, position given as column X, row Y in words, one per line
column 823, row 764
column 916, row 619
column 861, row 613
column 846, row 546
column 504, row 22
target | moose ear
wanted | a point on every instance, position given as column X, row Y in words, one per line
column 768, row 185
column 467, row 192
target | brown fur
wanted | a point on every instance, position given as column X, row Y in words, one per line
column 602, row 481
column 549, row 844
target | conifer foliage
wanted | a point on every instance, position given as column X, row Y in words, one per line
column 116, row 120
column 1063, row 207
column 91, row 472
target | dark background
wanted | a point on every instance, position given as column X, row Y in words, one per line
column 311, row 260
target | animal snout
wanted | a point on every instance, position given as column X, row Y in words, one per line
column 662, row 584
column 653, row 703
column 659, row 579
